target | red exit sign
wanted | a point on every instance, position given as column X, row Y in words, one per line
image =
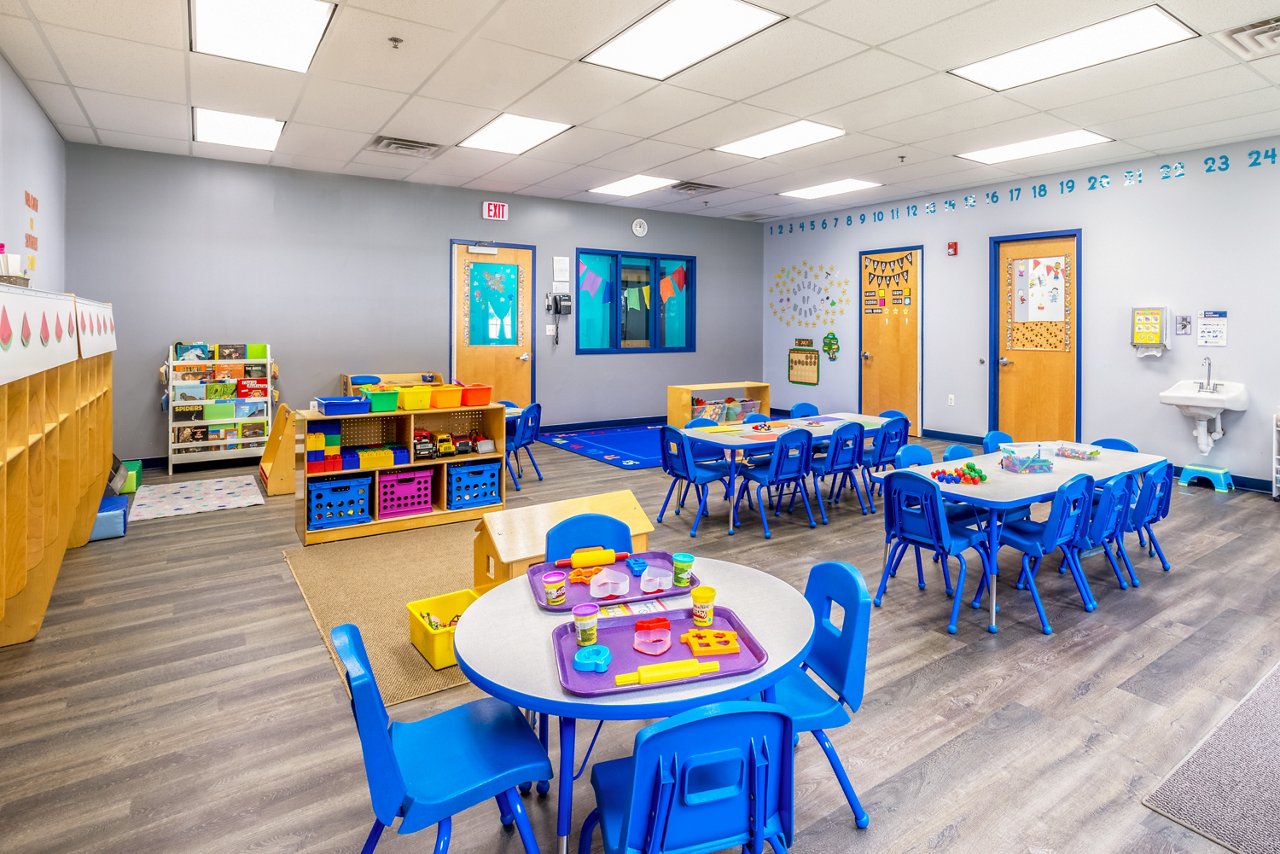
column 494, row 210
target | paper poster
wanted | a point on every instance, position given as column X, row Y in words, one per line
column 802, row 366
column 1148, row 326
column 560, row 268
column 1039, row 290
column 1182, row 324
column 493, row 304
column 1211, row 329
column 97, row 327
column 37, row 332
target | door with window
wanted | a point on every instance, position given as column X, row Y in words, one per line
column 890, row 335
column 493, row 319
column 1036, row 347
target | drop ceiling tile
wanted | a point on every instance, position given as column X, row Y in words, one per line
column 583, row 178
column 858, row 167
column 643, row 156
column 157, row 22
column 310, row 164
column 21, row 44
column 831, row 151
column 430, row 174
column 1231, row 80
column 918, row 171
column 1268, row 68
column 720, row 198
column 469, row 162
column 59, row 102
column 525, row 171
column 759, row 204
column 546, row 192
column 1106, row 155
column 367, row 170
column 109, row 111
column 875, row 22
column 950, row 120
column 225, row 84
column 328, row 143
column 571, row 30
column 657, row 109
column 856, row 77
column 793, row 181
column 748, row 173
column 783, row 52
column 1214, row 133
column 1033, row 126
column 334, row 104
column 1211, row 17
column 355, row 49
column 703, row 163
column 489, row 74
column 955, row 185
column 123, row 67
column 401, row 162
column 579, row 145
column 920, row 97
column 446, row 14
column 734, row 122
column 492, row 185
column 76, row 133
column 213, row 151
column 790, row 8
column 12, row 7
column 134, row 141
column 581, row 92
column 441, row 122
column 1232, row 106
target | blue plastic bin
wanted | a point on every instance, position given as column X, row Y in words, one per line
column 342, row 405
column 473, row 484
column 337, row 502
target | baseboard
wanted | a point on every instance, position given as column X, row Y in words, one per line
column 155, row 462
column 1248, row 484
column 943, row 436
column 600, row 425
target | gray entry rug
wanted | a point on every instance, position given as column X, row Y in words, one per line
column 1228, row 788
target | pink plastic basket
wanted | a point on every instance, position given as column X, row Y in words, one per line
column 404, row 493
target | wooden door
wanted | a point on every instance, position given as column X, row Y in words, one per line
column 493, row 319
column 1036, row 348
column 890, row 355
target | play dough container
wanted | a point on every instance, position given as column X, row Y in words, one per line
column 584, row 623
column 704, row 605
column 555, row 584
column 682, row 563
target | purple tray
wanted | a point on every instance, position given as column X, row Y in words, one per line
column 580, row 593
column 617, row 633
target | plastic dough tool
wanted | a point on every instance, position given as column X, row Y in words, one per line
column 667, row 671
column 592, row 557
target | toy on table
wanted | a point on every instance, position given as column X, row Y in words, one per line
column 666, row 671
column 584, row 558
column 637, row 565
column 584, row 576
column 1015, row 458
column 682, row 563
column 608, row 583
column 653, row 636
column 655, row 580
column 585, row 618
column 592, row 659
column 1072, row 451
column 762, row 427
column 704, row 605
column 968, row 473
column 711, row 643
column 555, row 586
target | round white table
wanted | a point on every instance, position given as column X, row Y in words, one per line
column 503, row 645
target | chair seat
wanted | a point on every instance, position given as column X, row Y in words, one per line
column 612, row 782
column 966, row 514
column 460, row 757
column 758, row 475
column 820, row 466
column 706, row 453
column 810, row 706
column 709, row 472
column 1025, row 535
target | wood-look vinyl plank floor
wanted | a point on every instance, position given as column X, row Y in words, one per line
column 179, row 697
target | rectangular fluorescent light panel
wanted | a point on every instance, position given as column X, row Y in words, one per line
column 634, row 185
column 1126, row 35
column 512, row 134
column 771, row 142
column 280, row 33
column 681, row 33
column 834, row 188
column 1032, row 147
column 236, row 129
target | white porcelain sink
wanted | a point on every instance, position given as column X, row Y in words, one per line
column 1203, row 405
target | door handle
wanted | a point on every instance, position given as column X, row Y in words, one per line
column 866, row 357
column 1004, row 363
column 524, row 357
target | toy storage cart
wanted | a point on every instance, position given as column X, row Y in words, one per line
column 681, row 408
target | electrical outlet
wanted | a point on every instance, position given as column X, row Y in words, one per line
column 551, row 329
column 951, row 400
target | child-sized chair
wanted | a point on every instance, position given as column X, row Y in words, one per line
column 714, row 777
column 838, row 658
column 1107, row 522
column 843, row 459
column 678, row 462
column 791, row 466
column 896, row 413
column 1115, row 444
column 993, row 440
column 704, row 452
column 759, row 457
column 584, row 531
column 956, row 452
column 804, row 410
column 525, row 435
column 486, row 746
column 891, row 436
column 1152, row 506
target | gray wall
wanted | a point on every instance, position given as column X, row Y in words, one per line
column 1203, row 241
column 32, row 159
column 343, row 274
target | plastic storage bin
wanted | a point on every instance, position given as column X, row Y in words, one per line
column 404, row 493
column 415, row 397
column 381, row 399
column 342, row 405
column 436, row 643
column 446, row 396
column 473, row 484
column 337, row 502
column 476, row 394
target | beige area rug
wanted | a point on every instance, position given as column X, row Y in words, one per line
column 367, row 582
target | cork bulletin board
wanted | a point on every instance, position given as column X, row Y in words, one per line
column 1040, row 298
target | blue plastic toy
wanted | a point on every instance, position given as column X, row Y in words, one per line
column 637, row 565
column 592, row 659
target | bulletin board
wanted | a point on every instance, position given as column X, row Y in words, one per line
column 1041, row 294
column 802, row 366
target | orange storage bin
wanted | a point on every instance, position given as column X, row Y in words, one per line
column 476, row 394
column 446, row 396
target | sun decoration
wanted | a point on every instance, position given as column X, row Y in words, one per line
column 808, row 296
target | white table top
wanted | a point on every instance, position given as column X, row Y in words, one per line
column 744, row 437
column 503, row 644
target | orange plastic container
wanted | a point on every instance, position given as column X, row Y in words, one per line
column 476, row 394
column 446, row 396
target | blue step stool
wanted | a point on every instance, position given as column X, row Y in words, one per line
column 1219, row 478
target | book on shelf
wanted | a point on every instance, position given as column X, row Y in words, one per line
column 196, row 352
column 188, row 391
column 188, row 413
column 255, row 371
column 253, row 430
column 252, row 387
column 194, row 372
column 231, row 351
column 255, row 351
column 223, row 432
column 219, row 390
column 223, row 371
column 251, row 409
column 193, row 433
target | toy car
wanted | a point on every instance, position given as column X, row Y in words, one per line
column 424, row 447
column 444, row 445
column 463, row 443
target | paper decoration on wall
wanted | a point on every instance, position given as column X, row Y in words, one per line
column 28, row 343
column 97, row 327
column 1039, row 334
column 802, row 366
column 808, row 296
column 1039, row 290
column 1182, row 324
column 493, row 304
column 1211, row 329
column 830, row 346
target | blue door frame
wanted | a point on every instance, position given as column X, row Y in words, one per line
column 533, row 305
column 919, row 335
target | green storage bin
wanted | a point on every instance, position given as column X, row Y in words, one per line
column 381, row 400
column 219, row 411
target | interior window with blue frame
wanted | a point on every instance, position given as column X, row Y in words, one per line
column 634, row 303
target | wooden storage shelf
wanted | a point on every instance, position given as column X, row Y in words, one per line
column 416, row 464
column 680, row 398
column 254, row 445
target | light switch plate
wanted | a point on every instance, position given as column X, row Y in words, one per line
column 551, row 329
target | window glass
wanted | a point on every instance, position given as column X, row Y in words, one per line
column 634, row 303
column 595, row 274
column 673, row 301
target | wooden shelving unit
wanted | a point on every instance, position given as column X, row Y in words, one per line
column 208, row 449
column 398, row 428
column 680, row 397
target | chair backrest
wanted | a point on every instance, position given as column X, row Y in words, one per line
column 1069, row 513
column 792, row 455
column 992, row 441
column 754, row 418
column 1166, row 494
column 895, row 413
column 1156, row 484
column 586, row 530
column 956, row 452
column 387, row 788
column 530, row 421
column 718, row 776
column 844, row 450
column 1110, row 513
column 913, row 510
column 510, row 404
column 839, row 653
column 803, row 410
column 701, row 422
column 669, row 451
column 912, row 455
column 891, row 436
column 1116, row 444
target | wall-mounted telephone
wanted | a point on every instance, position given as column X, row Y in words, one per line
column 560, row 303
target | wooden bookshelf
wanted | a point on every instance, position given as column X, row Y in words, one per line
column 206, row 449
column 680, row 397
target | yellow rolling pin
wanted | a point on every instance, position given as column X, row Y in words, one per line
column 591, row 557
column 666, row 671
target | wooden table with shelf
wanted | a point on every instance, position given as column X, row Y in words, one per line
column 680, row 397
column 397, row 428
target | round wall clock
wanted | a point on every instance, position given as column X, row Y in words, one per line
column 639, row 228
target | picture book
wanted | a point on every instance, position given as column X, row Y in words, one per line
column 222, row 371
column 255, row 371
column 251, row 388
column 188, row 413
column 190, row 352
column 223, row 432
column 253, row 430
column 194, row 372
column 251, row 409
column 188, row 391
column 219, row 390
column 256, row 351
column 231, row 351
column 183, row 435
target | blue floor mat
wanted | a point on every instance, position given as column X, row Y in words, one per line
column 621, row 447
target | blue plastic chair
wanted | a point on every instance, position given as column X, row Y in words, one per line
column 678, row 461
column 914, row 518
column 587, row 530
column 912, row 455
column 956, row 452
column 992, row 441
column 791, row 465
column 714, row 777
column 1116, row 444
column 843, row 459
column 895, row 413
column 891, row 436
column 1151, row 506
column 804, row 410
column 486, row 748
column 702, row 451
column 526, row 434
column 1068, row 518
column 755, row 458
column 838, row 658
column 1107, row 522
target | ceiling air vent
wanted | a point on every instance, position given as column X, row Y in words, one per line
column 690, row 189
column 406, row 147
column 1252, row 41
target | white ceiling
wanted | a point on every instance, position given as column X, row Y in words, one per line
column 120, row 73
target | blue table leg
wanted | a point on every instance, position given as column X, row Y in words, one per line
column 733, row 472
column 564, row 799
column 993, row 545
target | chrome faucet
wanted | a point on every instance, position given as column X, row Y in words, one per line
column 1208, row 385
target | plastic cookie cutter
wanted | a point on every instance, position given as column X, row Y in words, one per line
column 707, row 642
column 655, row 579
column 653, row 636
column 636, row 565
column 592, row 659
column 584, row 576
column 610, row 582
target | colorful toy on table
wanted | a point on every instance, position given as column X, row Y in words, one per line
column 584, row 576
column 1014, row 458
column 655, row 579
column 324, row 446
column 704, row 606
column 636, row 565
column 682, row 564
column 555, row 587
column 703, row 643
column 653, row 636
column 463, row 443
column 666, row 671
column 1072, row 451
column 585, row 619
column 584, row 558
column 609, row 584
column 592, row 659
column 968, row 474
column 762, row 427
